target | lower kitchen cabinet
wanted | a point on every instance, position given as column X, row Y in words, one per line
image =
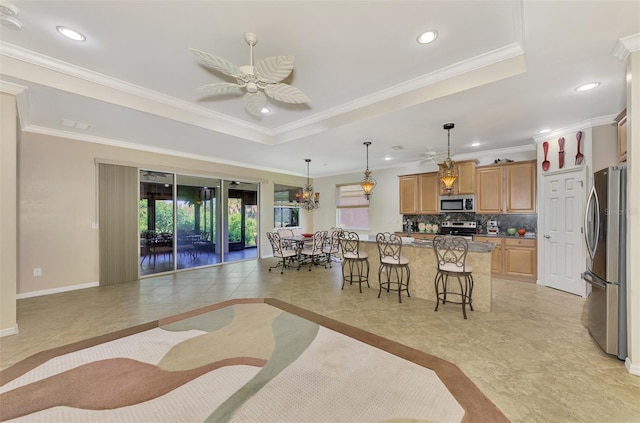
column 496, row 255
column 513, row 258
column 520, row 258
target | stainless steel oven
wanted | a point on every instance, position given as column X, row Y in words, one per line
column 463, row 229
column 457, row 203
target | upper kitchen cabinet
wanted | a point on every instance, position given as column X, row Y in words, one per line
column 621, row 120
column 489, row 197
column 409, row 194
column 428, row 186
column 466, row 182
column 508, row 188
column 419, row 193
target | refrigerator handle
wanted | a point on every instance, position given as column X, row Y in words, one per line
column 593, row 196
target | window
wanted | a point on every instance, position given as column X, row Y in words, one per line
column 352, row 209
column 286, row 211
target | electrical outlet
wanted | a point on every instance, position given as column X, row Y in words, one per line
column 37, row 271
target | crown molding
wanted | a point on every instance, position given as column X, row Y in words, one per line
column 585, row 124
column 625, row 46
column 23, row 100
column 171, row 108
column 47, row 71
column 478, row 62
column 139, row 147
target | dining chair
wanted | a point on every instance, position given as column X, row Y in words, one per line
column 331, row 246
column 393, row 263
column 280, row 252
column 313, row 250
column 353, row 259
column 451, row 255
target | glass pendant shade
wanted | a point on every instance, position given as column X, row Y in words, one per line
column 368, row 183
column 448, row 174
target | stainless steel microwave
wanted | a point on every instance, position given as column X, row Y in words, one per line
column 458, row 203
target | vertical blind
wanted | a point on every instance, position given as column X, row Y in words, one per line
column 118, row 223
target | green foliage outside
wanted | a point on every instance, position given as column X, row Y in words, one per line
column 186, row 220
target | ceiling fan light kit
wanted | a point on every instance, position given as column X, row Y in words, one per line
column 259, row 81
column 448, row 174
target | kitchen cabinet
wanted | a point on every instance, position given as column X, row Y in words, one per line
column 496, row 255
column 621, row 120
column 508, row 188
column 428, row 188
column 520, row 258
column 409, row 194
column 512, row 258
column 419, row 193
column 466, row 181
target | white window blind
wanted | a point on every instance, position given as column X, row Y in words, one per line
column 350, row 196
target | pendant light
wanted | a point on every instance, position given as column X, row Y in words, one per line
column 368, row 183
column 310, row 200
column 448, row 174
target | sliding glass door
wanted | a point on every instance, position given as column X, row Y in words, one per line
column 197, row 219
column 156, row 223
column 241, row 229
column 193, row 221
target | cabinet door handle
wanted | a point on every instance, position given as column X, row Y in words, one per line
column 547, row 236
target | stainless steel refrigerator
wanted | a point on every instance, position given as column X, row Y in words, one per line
column 605, row 227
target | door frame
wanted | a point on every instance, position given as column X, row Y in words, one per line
column 582, row 177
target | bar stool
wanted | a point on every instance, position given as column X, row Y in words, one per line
column 393, row 263
column 451, row 254
column 354, row 259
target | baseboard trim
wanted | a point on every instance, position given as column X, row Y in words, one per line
column 632, row 368
column 9, row 331
column 57, row 290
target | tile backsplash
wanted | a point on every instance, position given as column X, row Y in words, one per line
column 526, row 221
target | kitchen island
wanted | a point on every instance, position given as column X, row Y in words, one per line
column 422, row 262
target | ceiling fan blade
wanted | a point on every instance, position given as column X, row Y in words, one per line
column 221, row 88
column 254, row 102
column 286, row 93
column 274, row 69
column 220, row 64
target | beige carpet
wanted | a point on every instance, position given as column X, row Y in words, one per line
column 240, row 361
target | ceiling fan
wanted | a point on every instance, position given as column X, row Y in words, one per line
column 431, row 156
column 257, row 80
column 151, row 175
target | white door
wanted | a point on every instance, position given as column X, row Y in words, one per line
column 564, row 258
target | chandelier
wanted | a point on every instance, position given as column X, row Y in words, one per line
column 448, row 174
column 368, row 183
column 310, row 200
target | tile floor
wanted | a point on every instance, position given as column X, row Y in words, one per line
column 532, row 355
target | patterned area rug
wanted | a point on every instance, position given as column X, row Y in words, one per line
column 240, row 361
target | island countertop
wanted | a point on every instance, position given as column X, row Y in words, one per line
column 422, row 263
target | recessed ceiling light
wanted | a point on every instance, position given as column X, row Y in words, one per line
column 587, row 87
column 265, row 110
column 72, row 34
column 427, row 37
column 387, row 158
column 475, row 144
column 544, row 131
